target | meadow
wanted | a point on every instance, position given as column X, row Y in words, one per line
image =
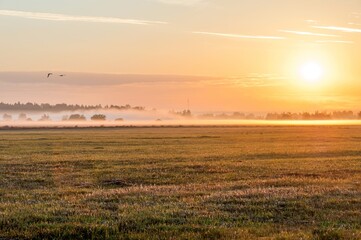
column 250, row 182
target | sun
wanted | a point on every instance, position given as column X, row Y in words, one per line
column 311, row 72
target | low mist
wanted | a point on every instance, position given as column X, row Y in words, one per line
column 129, row 118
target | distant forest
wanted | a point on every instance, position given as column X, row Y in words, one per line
column 46, row 107
column 49, row 108
column 336, row 115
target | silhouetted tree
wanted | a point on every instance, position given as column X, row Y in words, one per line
column 22, row 117
column 306, row 116
column 343, row 115
column 184, row 113
column 98, row 117
column 7, row 117
column 45, row 117
column 238, row 115
column 77, row 117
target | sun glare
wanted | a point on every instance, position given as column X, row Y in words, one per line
column 311, row 72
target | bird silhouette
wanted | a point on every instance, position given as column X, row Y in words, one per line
column 61, row 75
column 49, row 74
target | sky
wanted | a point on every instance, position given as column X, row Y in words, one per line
column 229, row 55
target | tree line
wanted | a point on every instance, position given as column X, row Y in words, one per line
column 46, row 107
column 317, row 115
column 336, row 115
column 46, row 117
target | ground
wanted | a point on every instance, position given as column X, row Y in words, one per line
column 280, row 182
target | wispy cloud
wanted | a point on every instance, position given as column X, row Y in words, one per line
column 71, row 18
column 180, row 2
column 240, row 36
column 340, row 29
column 251, row 80
column 308, row 33
column 310, row 21
column 335, row 41
column 353, row 23
column 95, row 79
column 255, row 80
column 356, row 14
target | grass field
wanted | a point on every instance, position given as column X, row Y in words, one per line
column 181, row 183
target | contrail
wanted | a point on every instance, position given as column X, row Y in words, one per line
column 342, row 29
column 240, row 36
column 72, row 18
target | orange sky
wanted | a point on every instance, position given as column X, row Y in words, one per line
column 222, row 55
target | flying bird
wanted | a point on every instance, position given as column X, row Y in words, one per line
column 49, row 74
column 61, row 75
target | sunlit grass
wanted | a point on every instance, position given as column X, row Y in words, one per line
column 279, row 182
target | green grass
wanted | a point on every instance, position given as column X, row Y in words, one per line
column 181, row 183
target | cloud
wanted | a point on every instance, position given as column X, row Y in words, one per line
column 252, row 80
column 93, row 79
column 102, row 80
column 240, row 36
column 310, row 21
column 335, row 41
column 356, row 14
column 71, row 18
column 308, row 33
column 353, row 23
column 180, row 2
column 341, row 29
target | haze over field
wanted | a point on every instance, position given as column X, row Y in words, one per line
column 252, row 55
column 180, row 119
